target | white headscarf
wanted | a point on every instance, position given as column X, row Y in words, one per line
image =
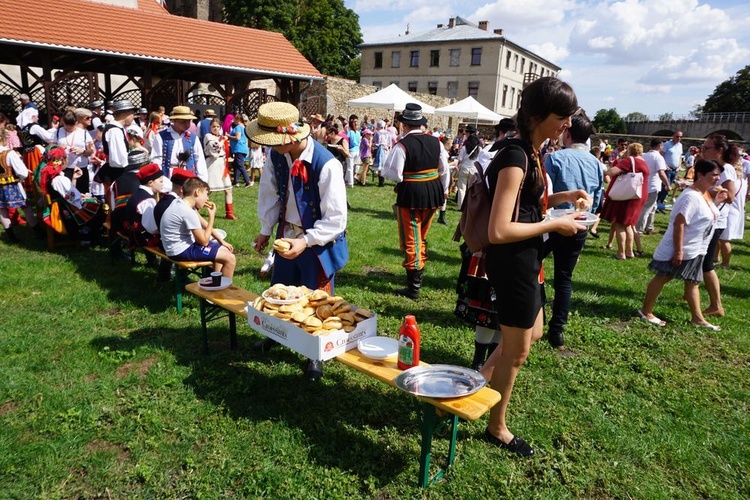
column 26, row 116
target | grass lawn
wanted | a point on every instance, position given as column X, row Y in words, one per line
column 105, row 393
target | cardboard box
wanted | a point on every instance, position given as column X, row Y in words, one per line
column 321, row 347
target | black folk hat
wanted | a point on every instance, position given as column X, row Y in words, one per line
column 412, row 115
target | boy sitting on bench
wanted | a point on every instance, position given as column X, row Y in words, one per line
column 186, row 235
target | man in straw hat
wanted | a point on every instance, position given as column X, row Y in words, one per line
column 177, row 147
column 419, row 165
column 302, row 187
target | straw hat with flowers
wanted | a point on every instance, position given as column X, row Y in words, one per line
column 278, row 124
column 181, row 113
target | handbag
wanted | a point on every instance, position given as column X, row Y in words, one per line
column 627, row 186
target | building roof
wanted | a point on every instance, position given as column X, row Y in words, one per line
column 462, row 31
column 148, row 31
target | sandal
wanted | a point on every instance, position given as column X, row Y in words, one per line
column 654, row 320
column 617, row 257
column 516, row 445
column 715, row 328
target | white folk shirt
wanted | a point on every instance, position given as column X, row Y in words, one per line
column 117, row 157
column 332, row 190
column 200, row 160
column 394, row 164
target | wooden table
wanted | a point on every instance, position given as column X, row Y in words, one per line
column 432, row 412
column 219, row 304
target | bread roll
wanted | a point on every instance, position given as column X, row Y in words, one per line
column 281, row 246
column 209, row 205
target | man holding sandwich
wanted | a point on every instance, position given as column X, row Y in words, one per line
column 302, row 193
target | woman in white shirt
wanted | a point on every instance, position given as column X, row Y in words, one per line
column 681, row 251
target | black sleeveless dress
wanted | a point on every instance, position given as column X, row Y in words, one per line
column 513, row 268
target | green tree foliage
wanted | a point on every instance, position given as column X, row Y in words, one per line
column 666, row 117
column 324, row 31
column 608, row 121
column 636, row 116
column 732, row 95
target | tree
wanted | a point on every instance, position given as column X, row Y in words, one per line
column 732, row 95
column 636, row 116
column 696, row 111
column 608, row 121
column 324, row 31
column 666, row 117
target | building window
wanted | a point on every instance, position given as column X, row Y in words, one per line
column 512, row 97
column 452, row 90
column 515, row 62
column 473, row 89
column 507, row 59
column 378, row 85
column 395, row 82
column 378, row 59
column 434, row 58
column 432, row 87
column 518, row 100
column 505, row 94
column 455, row 57
column 412, row 86
column 395, row 59
column 476, row 56
column 414, row 60
column 523, row 64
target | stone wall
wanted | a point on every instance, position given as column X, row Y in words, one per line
column 331, row 97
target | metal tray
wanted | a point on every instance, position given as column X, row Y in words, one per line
column 440, row 381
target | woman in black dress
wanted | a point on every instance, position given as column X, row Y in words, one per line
column 514, row 258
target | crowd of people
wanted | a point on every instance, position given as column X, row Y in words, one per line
column 149, row 174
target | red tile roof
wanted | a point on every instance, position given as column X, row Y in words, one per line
column 149, row 32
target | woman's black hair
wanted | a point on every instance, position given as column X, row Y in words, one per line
column 704, row 166
column 472, row 145
column 541, row 98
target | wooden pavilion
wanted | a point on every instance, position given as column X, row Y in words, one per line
column 68, row 51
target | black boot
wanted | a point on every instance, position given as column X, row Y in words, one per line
column 11, row 236
column 414, row 284
column 480, row 354
column 313, row 370
column 441, row 218
column 381, row 181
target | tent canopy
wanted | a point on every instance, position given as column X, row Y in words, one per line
column 392, row 98
column 469, row 108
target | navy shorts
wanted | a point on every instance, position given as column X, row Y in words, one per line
column 199, row 252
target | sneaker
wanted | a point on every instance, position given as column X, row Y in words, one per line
column 252, row 183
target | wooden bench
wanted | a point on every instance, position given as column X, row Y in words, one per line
column 433, row 413
column 219, row 304
column 183, row 268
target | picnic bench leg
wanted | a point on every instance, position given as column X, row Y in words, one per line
column 430, row 421
column 204, row 326
column 232, row 331
column 179, row 285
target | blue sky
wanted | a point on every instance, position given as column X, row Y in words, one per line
column 650, row 56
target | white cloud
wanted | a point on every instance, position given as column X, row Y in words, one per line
column 652, row 89
column 550, row 51
column 530, row 15
column 609, row 98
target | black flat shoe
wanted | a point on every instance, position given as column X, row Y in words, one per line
column 265, row 345
column 517, row 445
column 594, row 234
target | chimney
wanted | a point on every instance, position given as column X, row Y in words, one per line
column 498, row 31
column 440, row 26
column 407, row 29
column 451, row 22
column 483, row 25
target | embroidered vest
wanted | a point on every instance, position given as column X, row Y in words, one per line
column 162, row 205
column 188, row 144
column 333, row 255
column 6, row 171
column 28, row 140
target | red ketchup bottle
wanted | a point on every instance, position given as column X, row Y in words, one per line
column 408, row 343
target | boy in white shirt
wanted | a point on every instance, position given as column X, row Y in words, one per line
column 185, row 235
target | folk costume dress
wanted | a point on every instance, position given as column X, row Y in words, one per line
column 216, row 148
column 12, row 173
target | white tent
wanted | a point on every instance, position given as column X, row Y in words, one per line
column 469, row 108
column 392, row 98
